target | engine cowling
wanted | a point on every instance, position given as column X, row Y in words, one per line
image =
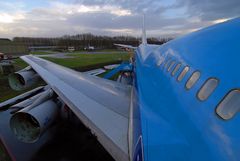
column 32, row 121
column 28, row 126
column 23, row 79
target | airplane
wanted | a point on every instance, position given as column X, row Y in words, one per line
column 89, row 47
column 182, row 105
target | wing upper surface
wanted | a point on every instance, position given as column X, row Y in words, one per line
column 102, row 105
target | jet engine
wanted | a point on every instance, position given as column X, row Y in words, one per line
column 23, row 79
column 31, row 122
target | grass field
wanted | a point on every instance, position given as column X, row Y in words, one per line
column 81, row 60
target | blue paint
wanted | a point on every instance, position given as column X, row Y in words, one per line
column 138, row 150
column 124, row 66
column 175, row 125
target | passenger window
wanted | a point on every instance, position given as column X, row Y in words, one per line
column 171, row 65
column 183, row 73
column 207, row 89
column 167, row 63
column 230, row 105
column 164, row 62
column 160, row 61
column 176, row 69
column 192, row 80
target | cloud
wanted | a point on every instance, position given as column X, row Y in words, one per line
column 112, row 17
column 212, row 10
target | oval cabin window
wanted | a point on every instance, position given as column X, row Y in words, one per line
column 183, row 73
column 207, row 89
column 167, row 63
column 192, row 80
column 176, row 69
column 171, row 65
column 230, row 105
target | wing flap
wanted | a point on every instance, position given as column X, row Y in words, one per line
column 102, row 105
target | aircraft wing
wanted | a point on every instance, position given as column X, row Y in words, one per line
column 126, row 46
column 102, row 105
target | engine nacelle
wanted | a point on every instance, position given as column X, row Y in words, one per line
column 23, row 79
column 29, row 125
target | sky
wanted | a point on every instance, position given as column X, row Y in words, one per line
column 164, row 18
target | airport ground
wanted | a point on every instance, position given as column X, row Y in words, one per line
column 81, row 62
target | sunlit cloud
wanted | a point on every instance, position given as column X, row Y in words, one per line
column 7, row 18
column 110, row 9
column 119, row 31
column 79, row 8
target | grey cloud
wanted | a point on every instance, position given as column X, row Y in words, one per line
column 52, row 22
column 107, row 20
column 136, row 6
column 205, row 9
column 209, row 10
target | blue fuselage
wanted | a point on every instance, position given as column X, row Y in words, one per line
column 170, row 121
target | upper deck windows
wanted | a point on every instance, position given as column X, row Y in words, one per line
column 192, row 80
column 207, row 89
column 160, row 61
column 171, row 65
column 230, row 105
column 183, row 73
column 177, row 67
column 167, row 63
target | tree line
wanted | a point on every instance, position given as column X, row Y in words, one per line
column 80, row 41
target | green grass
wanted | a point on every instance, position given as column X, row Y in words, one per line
column 19, row 64
column 103, row 50
column 81, row 60
column 40, row 52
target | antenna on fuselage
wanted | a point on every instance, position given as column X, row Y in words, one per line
column 144, row 38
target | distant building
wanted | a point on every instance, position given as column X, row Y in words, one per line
column 9, row 47
column 89, row 48
column 35, row 48
column 71, row 48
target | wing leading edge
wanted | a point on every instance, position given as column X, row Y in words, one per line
column 102, row 105
column 126, row 46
